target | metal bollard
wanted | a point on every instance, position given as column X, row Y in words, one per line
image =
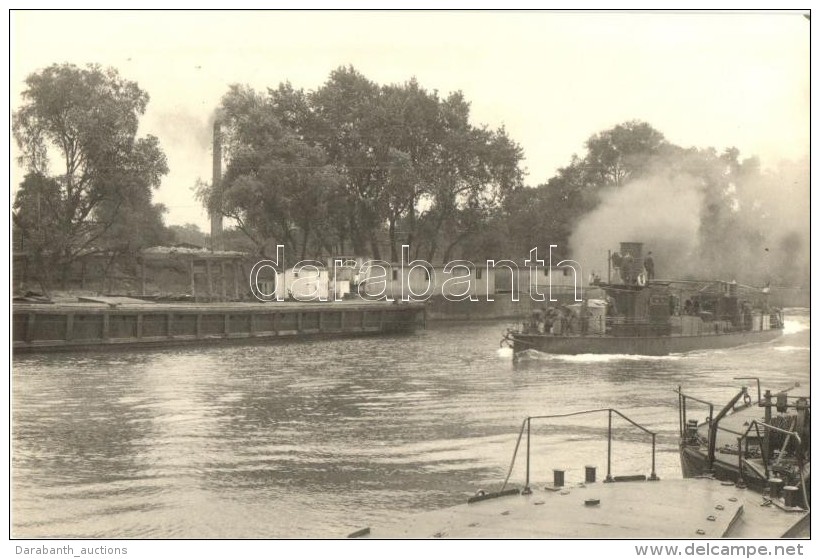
column 775, row 487
column 791, row 496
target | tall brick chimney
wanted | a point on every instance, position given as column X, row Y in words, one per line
column 217, row 242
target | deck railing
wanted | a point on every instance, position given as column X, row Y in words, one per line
column 743, row 438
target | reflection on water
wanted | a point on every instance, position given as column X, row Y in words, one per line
column 317, row 439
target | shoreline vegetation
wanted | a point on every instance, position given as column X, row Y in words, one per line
column 362, row 169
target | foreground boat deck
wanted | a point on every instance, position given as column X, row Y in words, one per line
column 682, row 508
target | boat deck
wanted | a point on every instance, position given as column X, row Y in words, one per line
column 682, row 508
column 726, row 441
column 736, row 422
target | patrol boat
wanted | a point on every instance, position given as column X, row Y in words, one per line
column 644, row 316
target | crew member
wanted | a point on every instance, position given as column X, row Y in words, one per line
column 616, row 260
column 626, row 268
column 585, row 314
column 549, row 318
column 649, row 264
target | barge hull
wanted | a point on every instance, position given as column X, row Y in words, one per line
column 39, row 328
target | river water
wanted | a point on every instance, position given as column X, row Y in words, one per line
column 317, row 439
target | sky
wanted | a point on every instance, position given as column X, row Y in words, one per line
column 552, row 79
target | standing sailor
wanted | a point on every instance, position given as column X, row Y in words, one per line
column 626, row 269
column 649, row 264
column 616, row 260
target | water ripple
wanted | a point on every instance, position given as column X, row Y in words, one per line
column 316, row 439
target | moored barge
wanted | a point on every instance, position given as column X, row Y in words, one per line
column 109, row 322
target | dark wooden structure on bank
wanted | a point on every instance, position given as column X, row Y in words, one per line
column 219, row 274
column 109, row 322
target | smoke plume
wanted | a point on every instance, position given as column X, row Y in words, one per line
column 662, row 213
column 760, row 234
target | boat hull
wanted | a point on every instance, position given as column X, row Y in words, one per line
column 694, row 463
column 638, row 345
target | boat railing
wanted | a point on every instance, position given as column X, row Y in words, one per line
column 710, row 419
column 526, row 426
column 618, row 319
column 767, row 400
column 688, row 429
column 757, row 382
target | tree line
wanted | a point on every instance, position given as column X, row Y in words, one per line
column 352, row 167
column 89, row 179
column 358, row 168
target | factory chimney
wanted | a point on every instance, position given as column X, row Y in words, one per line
column 217, row 242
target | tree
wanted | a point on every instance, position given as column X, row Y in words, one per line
column 355, row 161
column 413, row 165
column 481, row 168
column 622, row 153
column 86, row 120
column 744, row 223
column 549, row 213
column 277, row 186
column 733, row 229
column 189, row 233
column 347, row 125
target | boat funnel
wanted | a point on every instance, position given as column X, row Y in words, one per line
column 635, row 249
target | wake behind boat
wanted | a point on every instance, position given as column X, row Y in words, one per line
column 640, row 315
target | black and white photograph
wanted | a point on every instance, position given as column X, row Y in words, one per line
column 393, row 274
